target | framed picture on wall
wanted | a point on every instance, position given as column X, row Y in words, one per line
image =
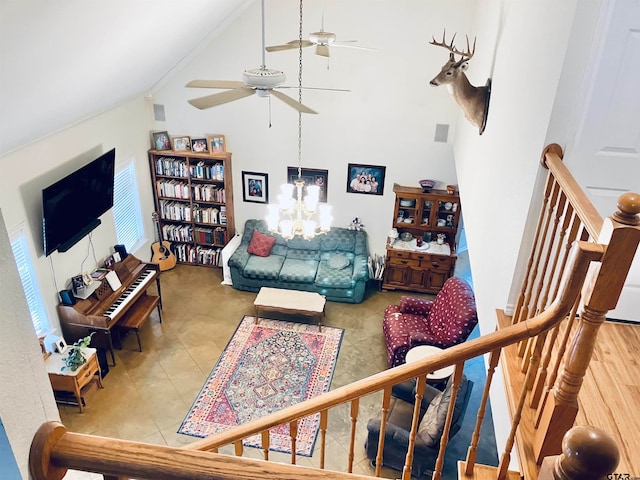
column 368, row 179
column 255, row 187
column 160, row 141
column 216, row 144
column 311, row 176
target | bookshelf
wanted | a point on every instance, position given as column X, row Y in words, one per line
column 193, row 196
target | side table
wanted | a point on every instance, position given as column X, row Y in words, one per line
column 68, row 381
column 423, row 351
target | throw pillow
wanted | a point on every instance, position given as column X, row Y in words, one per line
column 338, row 261
column 261, row 244
column 432, row 424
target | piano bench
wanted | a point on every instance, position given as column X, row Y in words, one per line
column 138, row 314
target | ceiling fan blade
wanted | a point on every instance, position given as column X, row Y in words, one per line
column 314, row 88
column 220, row 98
column 292, row 103
column 215, row 84
column 352, row 46
column 322, row 50
column 289, row 45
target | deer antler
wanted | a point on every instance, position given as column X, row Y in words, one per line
column 465, row 55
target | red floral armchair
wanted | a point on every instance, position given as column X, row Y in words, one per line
column 446, row 321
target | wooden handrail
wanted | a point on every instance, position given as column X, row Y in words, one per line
column 552, row 159
column 55, row 449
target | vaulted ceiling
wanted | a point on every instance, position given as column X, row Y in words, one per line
column 64, row 61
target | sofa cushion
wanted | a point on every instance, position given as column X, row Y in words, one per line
column 415, row 305
column 261, row 244
column 339, row 239
column 300, row 254
column 263, row 268
column 298, row 271
column 299, row 243
column 329, row 277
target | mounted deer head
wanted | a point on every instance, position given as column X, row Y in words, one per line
column 474, row 101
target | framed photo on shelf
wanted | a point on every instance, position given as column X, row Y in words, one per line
column 199, row 145
column 311, row 176
column 368, row 179
column 160, row 140
column 216, row 144
column 181, row 144
column 255, row 187
column 109, row 262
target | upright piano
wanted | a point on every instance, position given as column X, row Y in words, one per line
column 106, row 308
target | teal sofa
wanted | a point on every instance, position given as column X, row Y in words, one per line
column 333, row 264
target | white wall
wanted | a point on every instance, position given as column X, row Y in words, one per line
column 26, row 399
column 498, row 170
column 36, row 166
column 388, row 118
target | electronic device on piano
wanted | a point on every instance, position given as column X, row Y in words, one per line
column 107, row 307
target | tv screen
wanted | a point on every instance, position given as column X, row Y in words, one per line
column 71, row 207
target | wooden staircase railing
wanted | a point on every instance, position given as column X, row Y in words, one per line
column 544, row 375
column 522, row 344
column 588, row 453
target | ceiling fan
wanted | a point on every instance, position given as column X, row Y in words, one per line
column 261, row 81
column 322, row 41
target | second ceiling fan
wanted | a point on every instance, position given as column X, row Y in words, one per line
column 261, row 81
column 322, row 40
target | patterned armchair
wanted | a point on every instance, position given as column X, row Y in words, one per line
column 446, row 321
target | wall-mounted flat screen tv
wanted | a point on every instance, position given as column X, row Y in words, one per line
column 71, row 207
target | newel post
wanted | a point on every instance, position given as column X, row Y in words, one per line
column 602, row 288
column 588, row 453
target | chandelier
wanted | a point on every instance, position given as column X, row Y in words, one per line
column 299, row 211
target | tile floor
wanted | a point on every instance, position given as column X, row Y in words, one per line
column 147, row 394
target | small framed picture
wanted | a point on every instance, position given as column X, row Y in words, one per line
column 368, row 179
column 60, row 345
column 255, row 187
column 77, row 283
column 217, row 144
column 109, row 262
column 311, row 176
column 199, row 145
column 160, row 141
column 181, row 144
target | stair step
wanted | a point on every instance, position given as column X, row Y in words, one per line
column 483, row 472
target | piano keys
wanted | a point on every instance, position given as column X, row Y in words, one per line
column 126, row 305
column 123, row 300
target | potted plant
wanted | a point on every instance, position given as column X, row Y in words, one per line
column 76, row 359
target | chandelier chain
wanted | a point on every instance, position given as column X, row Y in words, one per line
column 300, row 95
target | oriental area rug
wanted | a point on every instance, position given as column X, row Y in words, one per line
column 266, row 367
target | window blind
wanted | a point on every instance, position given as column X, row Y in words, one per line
column 30, row 286
column 127, row 213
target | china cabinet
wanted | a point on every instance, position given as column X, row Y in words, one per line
column 423, row 255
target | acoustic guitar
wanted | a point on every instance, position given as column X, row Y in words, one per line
column 161, row 250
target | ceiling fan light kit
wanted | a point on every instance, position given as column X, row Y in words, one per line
column 263, row 78
column 322, row 38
